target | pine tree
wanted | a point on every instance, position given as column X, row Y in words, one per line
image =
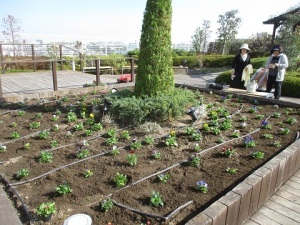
column 155, row 74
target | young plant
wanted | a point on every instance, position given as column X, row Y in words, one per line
column 3, row 148
column 243, row 118
column 21, row 113
column 231, row 170
column 83, row 153
column 112, row 141
column 43, row 135
column 249, row 141
column 229, row 152
column 54, row 144
column 259, row 117
column 149, row 140
column 88, row 132
column 277, row 144
column 55, row 117
column 120, row 179
column 15, row 135
column 135, row 144
column 111, row 133
column 46, row 209
column 87, row 173
column 115, row 151
column 284, row 131
column 291, row 120
column 194, row 160
column 22, row 173
column 265, row 125
column 71, row 117
column 156, row 199
column 78, row 126
column 276, row 115
column 13, row 124
column 267, row 136
column 257, row 155
column 197, row 147
column 132, row 159
column 202, row 186
column 155, row 154
column 26, row 146
column 215, row 130
column 106, row 204
column 171, row 141
column 39, row 115
column 236, row 133
column 45, row 157
column 55, row 127
column 125, row 134
column 163, row 177
column 63, row 189
column 97, row 127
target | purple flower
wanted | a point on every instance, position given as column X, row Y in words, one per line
column 264, row 123
column 201, row 183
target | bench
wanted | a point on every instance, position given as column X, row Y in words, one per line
column 84, row 69
column 127, row 68
column 176, row 69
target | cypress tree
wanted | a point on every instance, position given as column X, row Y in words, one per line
column 155, row 73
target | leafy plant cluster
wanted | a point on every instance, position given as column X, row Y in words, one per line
column 134, row 110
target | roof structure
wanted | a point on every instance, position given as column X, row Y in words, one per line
column 278, row 20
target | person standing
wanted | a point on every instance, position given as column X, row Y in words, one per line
column 240, row 61
column 276, row 65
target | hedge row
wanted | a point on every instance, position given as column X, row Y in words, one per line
column 290, row 85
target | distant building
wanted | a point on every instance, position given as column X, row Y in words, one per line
column 48, row 45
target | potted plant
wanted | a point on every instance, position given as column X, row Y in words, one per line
column 46, row 210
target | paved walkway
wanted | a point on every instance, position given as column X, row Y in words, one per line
column 282, row 208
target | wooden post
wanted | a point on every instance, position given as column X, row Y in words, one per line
column 60, row 56
column 132, row 70
column 2, row 58
column 54, row 75
column 1, row 93
column 80, row 56
column 97, row 62
column 33, row 58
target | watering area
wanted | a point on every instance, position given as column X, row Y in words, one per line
column 283, row 207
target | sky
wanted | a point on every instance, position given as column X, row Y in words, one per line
column 122, row 19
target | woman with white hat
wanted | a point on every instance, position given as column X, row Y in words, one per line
column 240, row 61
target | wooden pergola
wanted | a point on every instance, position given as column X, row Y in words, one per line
column 278, row 20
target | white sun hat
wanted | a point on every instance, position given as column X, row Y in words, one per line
column 245, row 46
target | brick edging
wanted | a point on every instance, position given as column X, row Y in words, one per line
column 246, row 198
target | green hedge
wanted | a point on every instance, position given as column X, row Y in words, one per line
column 290, row 85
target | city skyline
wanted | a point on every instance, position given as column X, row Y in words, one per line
column 122, row 20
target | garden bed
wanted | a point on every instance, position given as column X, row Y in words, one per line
column 181, row 199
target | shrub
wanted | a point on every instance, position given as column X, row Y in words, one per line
column 135, row 110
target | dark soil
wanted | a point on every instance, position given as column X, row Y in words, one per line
column 177, row 191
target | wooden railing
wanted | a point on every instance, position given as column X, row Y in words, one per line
column 54, row 69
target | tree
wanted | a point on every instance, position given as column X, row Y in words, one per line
column 201, row 36
column 198, row 39
column 289, row 37
column 229, row 25
column 260, row 42
column 155, row 73
column 11, row 30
